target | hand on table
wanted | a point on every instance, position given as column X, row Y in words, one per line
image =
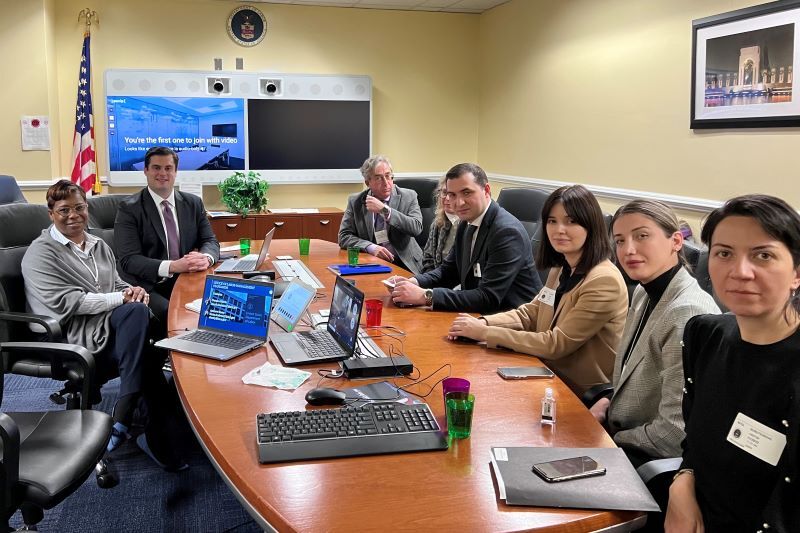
column 468, row 326
column 407, row 291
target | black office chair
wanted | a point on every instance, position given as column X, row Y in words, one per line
column 10, row 192
column 102, row 214
column 426, row 196
column 536, row 241
column 47, row 455
column 525, row 204
column 22, row 223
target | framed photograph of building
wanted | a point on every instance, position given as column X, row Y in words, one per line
column 743, row 66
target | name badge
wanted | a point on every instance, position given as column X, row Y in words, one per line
column 382, row 236
column 547, row 296
column 476, row 270
column 757, row 439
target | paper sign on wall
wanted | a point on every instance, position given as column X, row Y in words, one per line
column 35, row 132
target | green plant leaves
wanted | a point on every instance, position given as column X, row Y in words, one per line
column 244, row 193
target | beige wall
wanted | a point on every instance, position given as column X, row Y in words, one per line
column 598, row 92
column 424, row 112
column 570, row 90
column 25, row 85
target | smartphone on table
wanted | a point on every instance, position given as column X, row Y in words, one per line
column 567, row 469
column 524, row 372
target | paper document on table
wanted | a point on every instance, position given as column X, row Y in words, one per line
column 277, row 376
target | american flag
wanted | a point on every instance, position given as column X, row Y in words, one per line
column 84, row 170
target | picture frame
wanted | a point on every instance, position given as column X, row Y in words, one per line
column 743, row 68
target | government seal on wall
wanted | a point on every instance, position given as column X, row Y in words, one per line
column 247, row 26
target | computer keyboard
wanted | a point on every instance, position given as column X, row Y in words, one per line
column 319, row 343
column 289, row 269
column 374, row 428
column 218, row 339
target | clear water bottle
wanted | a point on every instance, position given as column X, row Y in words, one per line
column 548, row 407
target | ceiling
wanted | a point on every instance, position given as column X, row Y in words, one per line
column 450, row 6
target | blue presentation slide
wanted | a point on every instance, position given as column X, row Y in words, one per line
column 237, row 307
column 207, row 133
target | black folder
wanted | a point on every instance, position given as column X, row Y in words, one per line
column 620, row 488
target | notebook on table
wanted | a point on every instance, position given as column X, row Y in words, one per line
column 234, row 319
column 248, row 262
column 338, row 341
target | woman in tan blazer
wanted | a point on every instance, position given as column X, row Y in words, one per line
column 575, row 323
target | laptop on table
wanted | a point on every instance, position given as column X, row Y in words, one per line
column 248, row 262
column 234, row 319
column 338, row 341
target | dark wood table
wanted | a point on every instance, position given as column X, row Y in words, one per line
column 451, row 490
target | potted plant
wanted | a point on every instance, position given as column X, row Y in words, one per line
column 244, row 193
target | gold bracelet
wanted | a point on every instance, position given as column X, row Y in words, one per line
column 681, row 472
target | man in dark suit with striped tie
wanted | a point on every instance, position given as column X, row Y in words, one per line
column 161, row 233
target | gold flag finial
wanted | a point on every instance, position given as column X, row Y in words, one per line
column 90, row 16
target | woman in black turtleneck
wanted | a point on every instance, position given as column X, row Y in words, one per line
column 644, row 414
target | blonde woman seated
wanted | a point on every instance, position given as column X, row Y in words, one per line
column 443, row 230
column 576, row 321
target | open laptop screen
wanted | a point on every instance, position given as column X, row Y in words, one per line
column 345, row 315
column 236, row 306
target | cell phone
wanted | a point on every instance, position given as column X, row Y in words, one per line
column 567, row 469
column 524, row 372
column 391, row 283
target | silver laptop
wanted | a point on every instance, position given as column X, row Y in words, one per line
column 292, row 304
column 234, row 319
column 248, row 262
column 338, row 341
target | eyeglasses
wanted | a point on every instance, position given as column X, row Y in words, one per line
column 385, row 177
column 65, row 211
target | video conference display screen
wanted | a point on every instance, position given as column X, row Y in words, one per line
column 202, row 130
column 307, row 134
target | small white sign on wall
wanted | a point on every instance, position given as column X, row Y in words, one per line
column 35, row 132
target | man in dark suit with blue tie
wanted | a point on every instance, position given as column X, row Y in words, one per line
column 160, row 233
column 491, row 258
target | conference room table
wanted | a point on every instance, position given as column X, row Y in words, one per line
column 452, row 490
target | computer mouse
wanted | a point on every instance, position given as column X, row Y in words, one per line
column 325, row 396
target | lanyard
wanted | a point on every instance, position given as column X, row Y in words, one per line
column 96, row 273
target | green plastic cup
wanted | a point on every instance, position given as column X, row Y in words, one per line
column 304, row 244
column 244, row 245
column 352, row 255
column 459, row 414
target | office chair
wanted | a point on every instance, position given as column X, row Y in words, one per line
column 525, row 204
column 536, row 241
column 426, row 191
column 102, row 214
column 10, row 192
column 47, row 455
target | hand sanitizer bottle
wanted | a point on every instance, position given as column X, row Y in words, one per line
column 548, row 407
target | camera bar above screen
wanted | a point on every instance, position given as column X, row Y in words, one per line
column 288, row 127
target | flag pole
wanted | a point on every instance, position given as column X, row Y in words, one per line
column 89, row 15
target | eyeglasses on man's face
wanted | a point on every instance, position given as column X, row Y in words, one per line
column 65, row 211
column 383, row 177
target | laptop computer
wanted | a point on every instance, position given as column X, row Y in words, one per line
column 234, row 319
column 338, row 341
column 248, row 262
column 294, row 301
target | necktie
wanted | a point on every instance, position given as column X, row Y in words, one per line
column 380, row 224
column 466, row 252
column 173, row 244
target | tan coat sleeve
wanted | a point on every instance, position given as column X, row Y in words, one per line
column 599, row 299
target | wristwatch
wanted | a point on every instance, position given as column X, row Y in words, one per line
column 385, row 211
column 429, row 297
